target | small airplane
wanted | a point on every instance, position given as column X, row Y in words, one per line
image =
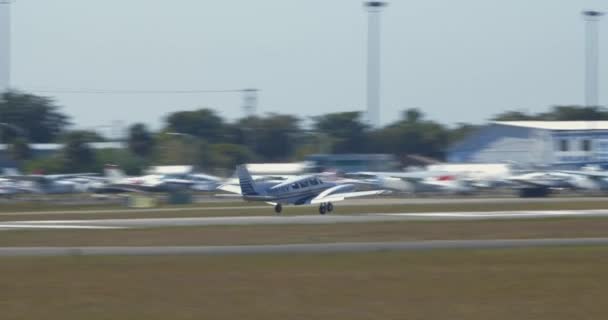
column 589, row 178
column 539, row 183
column 9, row 188
column 115, row 181
column 298, row 190
column 416, row 182
column 48, row 183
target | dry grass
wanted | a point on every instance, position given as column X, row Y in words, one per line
column 556, row 284
column 279, row 234
column 41, row 205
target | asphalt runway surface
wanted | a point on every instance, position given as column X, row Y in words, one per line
column 293, row 220
column 300, row 248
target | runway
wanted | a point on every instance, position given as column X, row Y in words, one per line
column 300, row 248
column 294, row 220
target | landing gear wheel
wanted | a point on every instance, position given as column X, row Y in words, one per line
column 322, row 208
column 278, row 208
column 330, row 207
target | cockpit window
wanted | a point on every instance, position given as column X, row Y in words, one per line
column 314, row 182
column 304, row 184
column 295, row 186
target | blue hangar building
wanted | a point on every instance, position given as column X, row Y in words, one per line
column 557, row 144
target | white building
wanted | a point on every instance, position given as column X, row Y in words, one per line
column 539, row 143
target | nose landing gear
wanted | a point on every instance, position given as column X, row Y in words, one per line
column 278, row 208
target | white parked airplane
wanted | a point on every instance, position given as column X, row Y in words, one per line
column 115, row 181
column 414, row 182
column 50, row 183
column 540, row 183
column 588, row 179
column 299, row 190
column 9, row 188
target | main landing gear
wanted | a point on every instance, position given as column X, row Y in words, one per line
column 326, row 207
column 278, row 208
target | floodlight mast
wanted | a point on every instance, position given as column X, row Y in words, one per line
column 374, row 9
column 592, row 57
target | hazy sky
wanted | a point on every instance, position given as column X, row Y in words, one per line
column 458, row 61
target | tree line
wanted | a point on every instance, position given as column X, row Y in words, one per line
column 204, row 139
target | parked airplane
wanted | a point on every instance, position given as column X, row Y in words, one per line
column 50, row 183
column 115, row 181
column 299, row 190
column 9, row 188
column 419, row 181
column 539, row 184
column 203, row 182
column 588, row 179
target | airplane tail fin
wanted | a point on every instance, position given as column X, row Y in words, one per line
column 113, row 173
column 248, row 187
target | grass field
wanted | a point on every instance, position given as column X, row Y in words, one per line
column 325, row 233
column 557, row 283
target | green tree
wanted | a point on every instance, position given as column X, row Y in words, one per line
column 47, row 165
column 345, row 130
column 514, row 116
column 572, row 113
column 77, row 154
column 228, row 156
column 461, row 131
column 177, row 149
column 126, row 160
column 203, row 123
column 20, row 149
column 86, row 135
column 413, row 115
column 411, row 135
column 38, row 117
column 140, row 141
column 272, row 137
column 557, row 113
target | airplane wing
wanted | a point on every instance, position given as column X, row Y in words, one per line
column 40, row 177
column 341, row 192
column 23, row 177
column 547, row 180
column 415, row 176
column 232, row 188
column 342, row 196
column 590, row 174
column 70, row 175
column 117, row 188
column 528, row 183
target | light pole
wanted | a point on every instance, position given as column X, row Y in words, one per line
column 591, row 57
column 250, row 101
column 5, row 45
column 373, row 61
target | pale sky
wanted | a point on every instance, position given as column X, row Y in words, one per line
column 458, row 61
